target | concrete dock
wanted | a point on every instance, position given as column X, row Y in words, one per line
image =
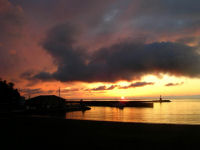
column 116, row 103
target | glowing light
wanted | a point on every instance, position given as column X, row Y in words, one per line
column 122, row 97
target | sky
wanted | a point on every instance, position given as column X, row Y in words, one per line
column 101, row 48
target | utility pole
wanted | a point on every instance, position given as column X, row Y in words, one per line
column 59, row 92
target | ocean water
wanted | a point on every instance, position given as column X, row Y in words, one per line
column 180, row 111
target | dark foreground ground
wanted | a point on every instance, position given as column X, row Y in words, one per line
column 28, row 132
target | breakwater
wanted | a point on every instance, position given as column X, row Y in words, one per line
column 116, row 103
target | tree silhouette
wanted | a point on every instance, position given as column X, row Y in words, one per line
column 8, row 95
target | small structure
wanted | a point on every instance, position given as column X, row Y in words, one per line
column 160, row 98
column 52, row 104
column 46, row 103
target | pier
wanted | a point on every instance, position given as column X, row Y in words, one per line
column 116, row 103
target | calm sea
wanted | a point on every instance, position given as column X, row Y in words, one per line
column 180, row 111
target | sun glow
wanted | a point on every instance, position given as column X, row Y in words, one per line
column 181, row 85
column 122, row 97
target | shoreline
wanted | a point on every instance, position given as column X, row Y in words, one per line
column 63, row 117
column 99, row 134
column 117, row 122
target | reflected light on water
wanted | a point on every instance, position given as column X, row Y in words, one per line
column 178, row 111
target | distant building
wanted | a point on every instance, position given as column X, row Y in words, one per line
column 46, row 103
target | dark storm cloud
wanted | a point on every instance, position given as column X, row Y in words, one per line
column 112, row 87
column 123, row 61
column 103, row 21
column 168, row 6
column 174, row 84
column 156, row 18
column 132, row 85
column 84, row 12
column 181, row 6
column 31, row 91
column 136, row 84
column 105, row 17
column 27, row 75
column 28, row 91
column 102, row 88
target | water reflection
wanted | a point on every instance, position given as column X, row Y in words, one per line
column 110, row 114
column 178, row 111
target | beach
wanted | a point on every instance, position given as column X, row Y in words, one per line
column 34, row 132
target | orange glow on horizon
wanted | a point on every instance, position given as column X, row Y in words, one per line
column 86, row 90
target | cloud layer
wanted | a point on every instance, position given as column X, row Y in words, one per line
column 102, row 41
column 126, row 60
column 11, row 25
column 174, row 84
column 136, row 84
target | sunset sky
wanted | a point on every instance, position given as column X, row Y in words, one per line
column 101, row 48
